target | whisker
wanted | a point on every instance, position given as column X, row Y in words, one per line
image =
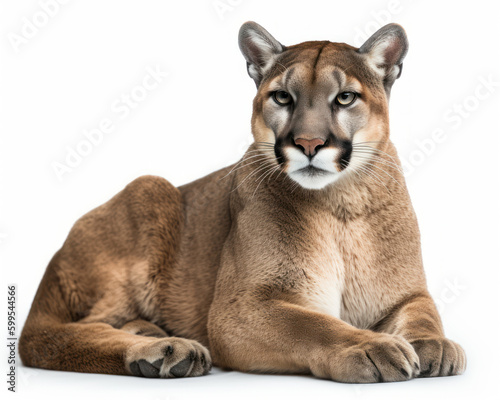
column 294, row 186
column 271, row 143
column 282, row 66
column 364, row 155
column 277, row 177
column 389, row 175
column 253, row 162
column 252, row 173
column 271, row 169
column 245, row 158
column 372, row 141
column 345, row 165
column 381, row 151
column 373, row 175
column 267, row 151
column 275, row 169
column 238, row 164
column 264, row 144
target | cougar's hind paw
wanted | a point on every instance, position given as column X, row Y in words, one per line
column 168, row 358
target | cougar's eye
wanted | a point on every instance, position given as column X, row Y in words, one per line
column 282, row 98
column 345, row 98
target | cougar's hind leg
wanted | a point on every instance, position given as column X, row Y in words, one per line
column 51, row 340
column 113, row 268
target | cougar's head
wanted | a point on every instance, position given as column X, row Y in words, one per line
column 321, row 108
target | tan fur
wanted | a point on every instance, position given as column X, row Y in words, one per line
column 269, row 276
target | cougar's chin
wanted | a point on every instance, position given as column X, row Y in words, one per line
column 313, row 178
column 315, row 173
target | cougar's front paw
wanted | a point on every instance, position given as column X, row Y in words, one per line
column 379, row 358
column 168, row 358
column 439, row 357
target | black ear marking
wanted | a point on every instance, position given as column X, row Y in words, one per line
column 259, row 48
column 386, row 50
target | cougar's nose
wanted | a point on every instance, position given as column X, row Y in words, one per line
column 309, row 146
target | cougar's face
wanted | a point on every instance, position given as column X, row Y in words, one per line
column 320, row 106
column 314, row 108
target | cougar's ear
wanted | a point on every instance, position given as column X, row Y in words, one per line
column 385, row 51
column 259, row 49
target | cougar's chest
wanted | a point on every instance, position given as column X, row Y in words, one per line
column 325, row 281
column 342, row 279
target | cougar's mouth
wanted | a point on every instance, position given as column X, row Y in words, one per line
column 312, row 171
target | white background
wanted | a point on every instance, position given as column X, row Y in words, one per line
column 67, row 77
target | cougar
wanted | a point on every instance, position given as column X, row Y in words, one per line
column 304, row 257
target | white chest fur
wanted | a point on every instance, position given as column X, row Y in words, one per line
column 326, row 283
column 342, row 281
